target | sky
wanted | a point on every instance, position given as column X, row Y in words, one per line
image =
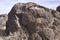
column 6, row 5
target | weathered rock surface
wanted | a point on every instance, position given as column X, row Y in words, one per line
column 29, row 21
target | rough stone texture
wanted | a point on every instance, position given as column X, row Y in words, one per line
column 29, row 21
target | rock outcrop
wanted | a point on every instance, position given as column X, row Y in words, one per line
column 30, row 21
column 3, row 19
column 58, row 9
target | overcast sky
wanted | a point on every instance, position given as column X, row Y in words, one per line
column 6, row 5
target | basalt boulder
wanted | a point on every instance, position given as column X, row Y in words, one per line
column 58, row 9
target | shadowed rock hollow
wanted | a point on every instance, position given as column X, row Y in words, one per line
column 30, row 21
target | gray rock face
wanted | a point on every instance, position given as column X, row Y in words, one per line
column 29, row 21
